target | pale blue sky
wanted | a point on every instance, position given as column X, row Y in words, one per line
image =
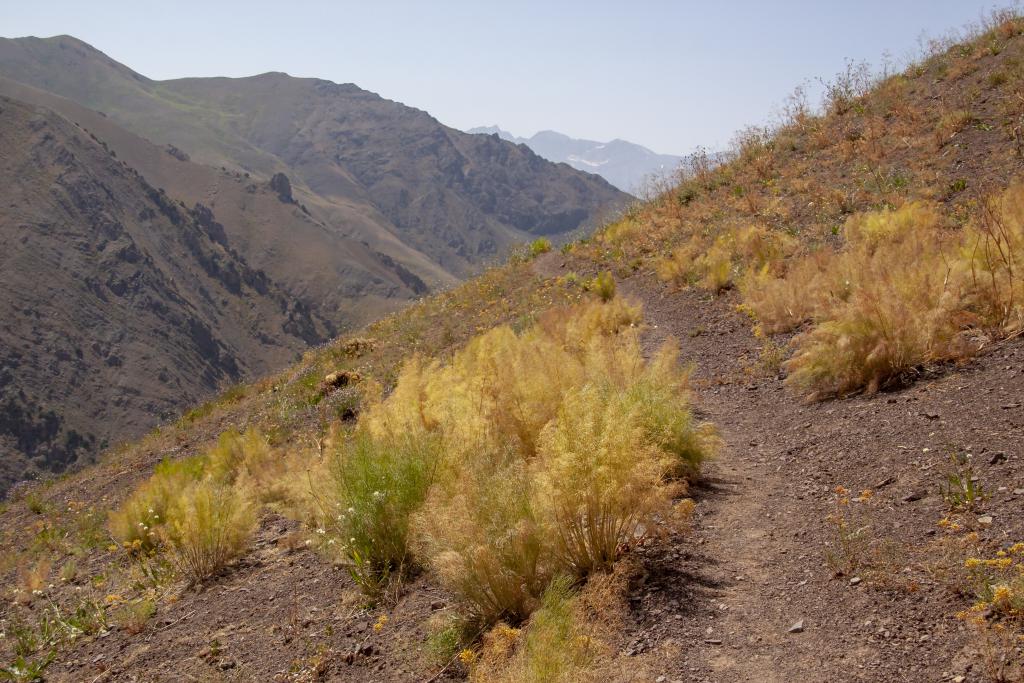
column 669, row 75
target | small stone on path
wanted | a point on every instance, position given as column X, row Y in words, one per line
column 798, row 627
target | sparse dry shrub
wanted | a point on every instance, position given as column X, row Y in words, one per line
column 134, row 616
column 137, row 522
column 900, row 312
column 32, row 578
column 210, row 525
column 993, row 263
column 951, row 123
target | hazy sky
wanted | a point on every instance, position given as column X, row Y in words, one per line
column 669, row 75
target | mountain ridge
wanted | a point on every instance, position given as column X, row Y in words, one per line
column 350, row 205
column 624, row 164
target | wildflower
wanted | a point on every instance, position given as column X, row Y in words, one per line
column 972, row 563
column 467, row 656
column 1001, row 596
column 865, row 495
column 842, row 490
column 381, row 621
column 321, row 531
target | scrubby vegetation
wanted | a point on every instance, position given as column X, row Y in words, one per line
column 525, row 463
column 525, row 456
column 848, row 228
column 509, row 442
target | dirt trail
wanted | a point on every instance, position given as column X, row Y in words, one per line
column 749, row 595
column 741, row 547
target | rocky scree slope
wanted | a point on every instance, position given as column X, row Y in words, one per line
column 120, row 303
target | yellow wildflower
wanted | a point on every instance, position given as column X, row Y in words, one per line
column 467, row 656
column 381, row 621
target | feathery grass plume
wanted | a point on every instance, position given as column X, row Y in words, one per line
column 504, row 419
column 662, row 394
column 553, row 648
column 480, row 531
column 210, row 525
column 784, row 302
column 900, row 311
column 598, row 477
column 717, row 264
column 137, row 522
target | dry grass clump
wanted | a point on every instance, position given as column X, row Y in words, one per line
column 210, row 526
column 568, row 639
column 720, row 263
column 911, row 293
column 137, row 522
column 781, row 303
column 553, row 648
column 200, row 509
column 525, row 456
column 898, row 310
column 993, row 263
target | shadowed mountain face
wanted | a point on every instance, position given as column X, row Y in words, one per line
column 120, row 304
column 625, row 165
column 195, row 232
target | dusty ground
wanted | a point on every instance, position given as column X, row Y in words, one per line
column 714, row 605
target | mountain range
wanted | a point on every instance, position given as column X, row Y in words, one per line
column 626, row 165
column 168, row 237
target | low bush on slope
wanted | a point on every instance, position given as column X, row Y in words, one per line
column 526, row 457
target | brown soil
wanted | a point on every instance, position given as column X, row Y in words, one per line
column 715, row 604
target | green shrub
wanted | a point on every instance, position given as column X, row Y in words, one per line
column 604, row 286
column 375, row 486
column 541, row 245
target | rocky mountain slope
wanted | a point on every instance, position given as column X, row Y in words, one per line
column 872, row 534
column 376, row 170
column 626, row 165
column 121, row 305
column 351, row 205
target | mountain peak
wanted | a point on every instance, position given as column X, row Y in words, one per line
column 624, row 164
